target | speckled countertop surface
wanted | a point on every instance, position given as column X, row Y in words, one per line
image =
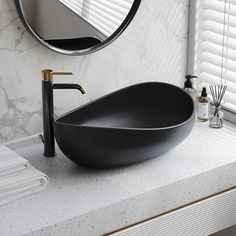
column 85, row 202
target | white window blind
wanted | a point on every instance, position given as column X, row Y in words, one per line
column 105, row 15
column 215, row 46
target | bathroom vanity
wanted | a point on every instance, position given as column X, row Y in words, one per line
column 187, row 191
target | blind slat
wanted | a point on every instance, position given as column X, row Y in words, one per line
column 218, row 39
column 217, row 50
column 216, row 60
column 219, row 6
column 218, row 28
column 217, row 17
column 216, row 71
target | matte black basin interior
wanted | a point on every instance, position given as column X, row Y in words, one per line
column 133, row 124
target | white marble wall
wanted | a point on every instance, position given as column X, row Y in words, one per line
column 153, row 48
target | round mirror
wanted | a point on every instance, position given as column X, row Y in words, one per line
column 76, row 27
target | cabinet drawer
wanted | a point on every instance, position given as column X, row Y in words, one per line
column 201, row 218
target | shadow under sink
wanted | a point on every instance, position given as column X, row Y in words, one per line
column 130, row 125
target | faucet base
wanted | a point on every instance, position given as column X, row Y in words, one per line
column 50, row 155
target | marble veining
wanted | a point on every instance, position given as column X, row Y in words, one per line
column 153, row 48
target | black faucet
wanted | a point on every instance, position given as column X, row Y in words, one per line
column 48, row 111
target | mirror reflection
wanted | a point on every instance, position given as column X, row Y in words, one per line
column 74, row 24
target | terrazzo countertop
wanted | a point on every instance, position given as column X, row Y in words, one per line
column 85, row 202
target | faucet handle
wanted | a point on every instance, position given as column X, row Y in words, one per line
column 62, row 73
column 47, row 74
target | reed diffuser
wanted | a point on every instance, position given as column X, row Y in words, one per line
column 217, row 93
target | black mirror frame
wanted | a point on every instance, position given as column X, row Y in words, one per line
column 109, row 40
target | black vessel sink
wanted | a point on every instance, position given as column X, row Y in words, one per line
column 131, row 125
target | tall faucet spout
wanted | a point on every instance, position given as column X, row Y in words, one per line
column 69, row 86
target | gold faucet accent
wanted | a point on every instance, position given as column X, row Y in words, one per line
column 47, row 74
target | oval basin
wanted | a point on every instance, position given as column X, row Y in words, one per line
column 130, row 125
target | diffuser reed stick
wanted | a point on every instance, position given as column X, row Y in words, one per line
column 217, row 93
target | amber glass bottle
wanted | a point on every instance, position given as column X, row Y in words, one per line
column 203, row 106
